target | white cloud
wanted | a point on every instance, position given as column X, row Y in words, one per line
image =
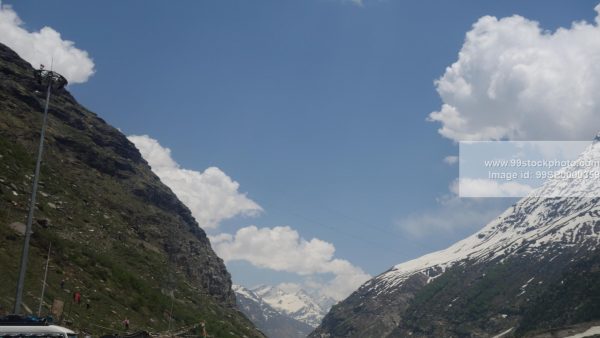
column 212, row 196
column 450, row 160
column 282, row 249
column 343, row 284
column 513, row 80
column 44, row 47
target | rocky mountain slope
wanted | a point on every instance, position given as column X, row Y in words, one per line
column 269, row 320
column 118, row 235
column 297, row 304
column 534, row 269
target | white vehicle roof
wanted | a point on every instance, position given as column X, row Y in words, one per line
column 35, row 330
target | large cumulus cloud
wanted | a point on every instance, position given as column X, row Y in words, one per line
column 514, row 80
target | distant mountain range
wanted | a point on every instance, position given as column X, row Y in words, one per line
column 279, row 313
column 272, row 322
column 297, row 304
column 533, row 270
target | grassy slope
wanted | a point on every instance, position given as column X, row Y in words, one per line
column 118, row 235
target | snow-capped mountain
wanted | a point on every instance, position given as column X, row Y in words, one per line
column 499, row 280
column 297, row 304
column 272, row 322
column 536, row 225
column 246, row 298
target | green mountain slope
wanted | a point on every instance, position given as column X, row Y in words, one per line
column 118, row 235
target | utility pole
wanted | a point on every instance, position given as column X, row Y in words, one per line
column 44, row 282
column 171, row 313
column 50, row 80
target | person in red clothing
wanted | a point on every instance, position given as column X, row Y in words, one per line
column 77, row 297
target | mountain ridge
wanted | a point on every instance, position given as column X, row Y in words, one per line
column 482, row 286
column 119, row 235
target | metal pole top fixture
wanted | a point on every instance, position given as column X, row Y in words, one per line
column 47, row 77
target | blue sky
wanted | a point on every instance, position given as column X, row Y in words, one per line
column 317, row 108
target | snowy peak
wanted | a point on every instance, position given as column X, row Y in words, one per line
column 245, row 297
column 269, row 320
column 298, row 304
column 242, row 291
